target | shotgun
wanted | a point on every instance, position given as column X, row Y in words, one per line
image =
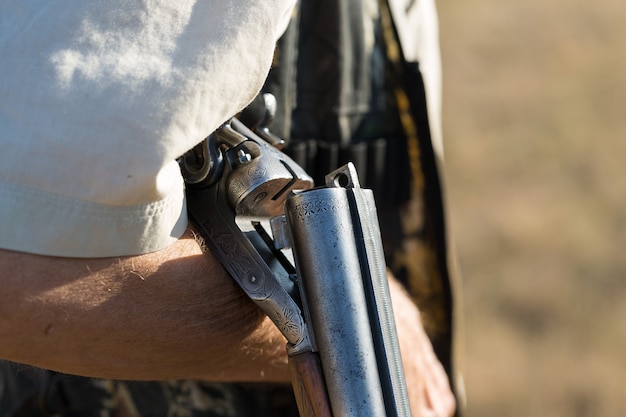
column 311, row 258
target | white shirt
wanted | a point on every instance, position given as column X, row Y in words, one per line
column 98, row 99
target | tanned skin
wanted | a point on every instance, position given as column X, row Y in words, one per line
column 171, row 314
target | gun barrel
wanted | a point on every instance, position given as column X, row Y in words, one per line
column 339, row 266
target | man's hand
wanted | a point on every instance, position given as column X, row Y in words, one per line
column 429, row 390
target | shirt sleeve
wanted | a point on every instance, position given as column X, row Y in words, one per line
column 98, row 99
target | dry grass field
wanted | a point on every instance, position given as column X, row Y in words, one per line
column 535, row 126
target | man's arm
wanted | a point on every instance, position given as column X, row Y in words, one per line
column 169, row 314
column 166, row 315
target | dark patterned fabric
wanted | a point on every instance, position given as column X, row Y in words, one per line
column 30, row 392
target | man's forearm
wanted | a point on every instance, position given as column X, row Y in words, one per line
column 169, row 314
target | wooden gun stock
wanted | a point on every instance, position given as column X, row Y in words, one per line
column 308, row 385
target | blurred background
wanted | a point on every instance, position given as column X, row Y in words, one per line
column 534, row 128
